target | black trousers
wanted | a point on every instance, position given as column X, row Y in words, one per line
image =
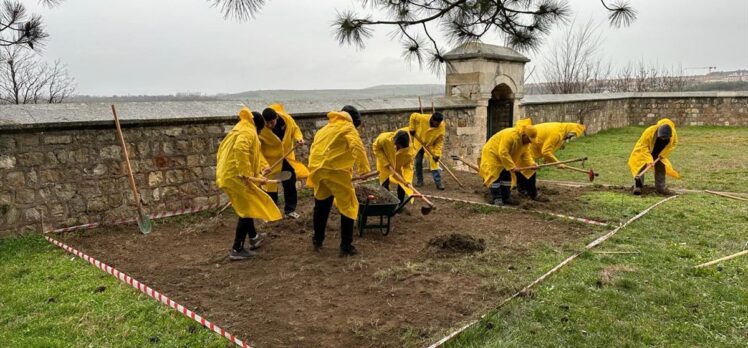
column 244, row 227
column 527, row 186
column 289, row 190
column 501, row 188
column 322, row 209
column 400, row 191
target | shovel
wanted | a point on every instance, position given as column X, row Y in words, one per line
column 144, row 221
column 284, row 156
column 423, row 145
column 472, row 166
column 366, row 176
column 426, row 209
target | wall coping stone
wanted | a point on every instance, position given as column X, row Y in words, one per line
column 530, row 99
column 14, row 118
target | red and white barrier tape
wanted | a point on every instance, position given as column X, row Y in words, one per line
column 123, row 277
column 563, row 263
column 159, row 215
column 586, row 221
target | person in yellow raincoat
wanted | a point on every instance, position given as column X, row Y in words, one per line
column 657, row 141
column 393, row 152
column 552, row 136
column 430, row 129
column 335, row 150
column 502, row 156
column 280, row 135
column 238, row 169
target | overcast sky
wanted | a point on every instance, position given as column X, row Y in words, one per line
column 167, row 46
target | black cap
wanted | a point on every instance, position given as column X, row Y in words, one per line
column 269, row 114
column 437, row 116
column 355, row 115
column 402, row 139
column 259, row 121
column 664, row 131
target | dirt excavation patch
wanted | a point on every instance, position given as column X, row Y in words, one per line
column 394, row 293
column 456, row 243
column 379, row 193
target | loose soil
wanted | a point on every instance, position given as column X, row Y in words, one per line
column 456, row 243
column 381, row 196
column 394, row 293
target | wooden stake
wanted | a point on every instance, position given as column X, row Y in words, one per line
column 744, row 252
column 420, row 104
column 726, row 195
column 433, row 109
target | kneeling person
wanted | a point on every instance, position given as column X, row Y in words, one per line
column 238, row 168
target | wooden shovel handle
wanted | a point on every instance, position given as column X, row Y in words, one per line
column 554, row 163
column 401, row 179
column 439, row 161
column 284, row 156
column 133, row 186
column 648, row 167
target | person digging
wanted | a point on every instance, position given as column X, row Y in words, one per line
column 501, row 157
column 278, row 139
column 652, row 150
column 430, row 129
column 336, row 149
column 552, row 136
column 395, row 155
column 238, row 171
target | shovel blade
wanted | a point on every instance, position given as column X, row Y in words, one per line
column 426, row 210
column 145, row 225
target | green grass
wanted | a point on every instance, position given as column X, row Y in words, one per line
column 659, row 300
column 712, row 158
column 50, row 299
column 651, row 298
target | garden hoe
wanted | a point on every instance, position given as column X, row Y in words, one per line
column 582, row 159
column 647, row 168
column 144, row 221
column 472, row 166
column 426, row 209
column 590, row 173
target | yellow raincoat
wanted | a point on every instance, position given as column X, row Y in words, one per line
column 273, row 148
column 239, row 156
column 504, row 150
column 642, row 153
column 336, row 148
column 551, row 137
column 401, row 160
column 432, row 137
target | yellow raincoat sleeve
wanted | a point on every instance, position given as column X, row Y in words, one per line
column 297, row 135
column 414, row 121
column 505, row 153
column 360, row 159
column 243, row 166
column 550, row 145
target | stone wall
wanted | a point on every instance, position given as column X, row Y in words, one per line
column 694, row 111
column 603, row 111
column 66, row 175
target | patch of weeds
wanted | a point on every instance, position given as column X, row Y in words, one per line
column 400, row 273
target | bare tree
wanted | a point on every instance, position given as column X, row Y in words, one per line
column 26, row 79
column 18, row 28
column 573, row 64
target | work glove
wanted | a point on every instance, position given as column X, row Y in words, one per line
column 412, row 132
column 436, row 158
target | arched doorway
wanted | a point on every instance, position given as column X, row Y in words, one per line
column 500, row 109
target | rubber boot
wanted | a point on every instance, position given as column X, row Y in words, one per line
column 506, row 196
column 495, row 193
column 437, row 179
column 660, row 185
column 638, row 185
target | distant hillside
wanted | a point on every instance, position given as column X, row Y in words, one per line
column 376, row 92
column 283, row 95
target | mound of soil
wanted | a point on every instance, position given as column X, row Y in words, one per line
column 381, row 195
column 457, row 243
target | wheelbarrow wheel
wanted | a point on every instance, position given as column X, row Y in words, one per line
column 386, row 230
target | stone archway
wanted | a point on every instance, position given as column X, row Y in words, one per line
column 500, row 109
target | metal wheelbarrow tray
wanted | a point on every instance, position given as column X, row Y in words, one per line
column 376, row 201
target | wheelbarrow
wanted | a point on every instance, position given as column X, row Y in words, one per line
column 381, row 203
